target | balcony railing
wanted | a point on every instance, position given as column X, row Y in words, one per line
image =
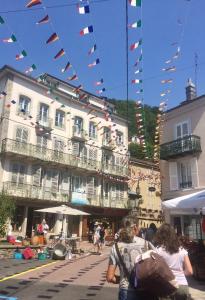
column 41, row 153
column 23, row 190
column 108, row 143
column 115, row 169
column 79, row 133
column 187, row 145
column 44, row 122
column 115, row 202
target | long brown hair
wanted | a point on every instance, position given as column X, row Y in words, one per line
column 167, row 238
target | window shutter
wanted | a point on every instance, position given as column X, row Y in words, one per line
column 173, row 176
column 75, row 149
column 14, row 175
column 65, row 183
column 48, row 179
column 21, row 134
column 22, row 171
column 194, row 172
column 36, row 173
column 90, row 185
column 54, row 181
column 58, row 145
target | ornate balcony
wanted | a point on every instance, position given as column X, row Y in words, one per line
column 34, row 152
column 115, row 169
column 44, row 123
column 187, row 145
column 79, row 133
column 23, row 190
column 108, row 144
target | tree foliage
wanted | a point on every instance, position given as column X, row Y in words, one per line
column 7, row 208
column 149, row 114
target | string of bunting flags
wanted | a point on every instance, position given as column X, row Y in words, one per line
column 169, row 68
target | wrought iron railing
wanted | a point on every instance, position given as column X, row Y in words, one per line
column 24, row 190
column 43, row 121
column 115, row 169
column 79, row 132
column 187, row 145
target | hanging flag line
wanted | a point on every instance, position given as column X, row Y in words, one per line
column 140, row 112
column 13, row 39
column 83, row 8
column 166, row 81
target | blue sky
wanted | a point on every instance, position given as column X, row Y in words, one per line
column 164, row 22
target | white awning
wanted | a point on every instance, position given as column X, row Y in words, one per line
column 63, row 210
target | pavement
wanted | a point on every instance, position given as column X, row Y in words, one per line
column 81, row 278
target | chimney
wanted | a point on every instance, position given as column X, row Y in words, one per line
column 190, row 90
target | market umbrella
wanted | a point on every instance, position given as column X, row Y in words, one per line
column 63, row 210
column 194, row 202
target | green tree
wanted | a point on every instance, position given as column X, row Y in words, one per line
column 7, row 208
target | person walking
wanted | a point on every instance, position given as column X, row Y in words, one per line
column 168, row 246
column 123, row 256
column 96, row 237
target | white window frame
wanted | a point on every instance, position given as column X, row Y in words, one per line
column 44, row 113
column 181, row 126
column 119, row 138
column 24, row 105
column 92, row 130
column 60, row 118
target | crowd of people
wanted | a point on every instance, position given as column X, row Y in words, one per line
column 163, row 241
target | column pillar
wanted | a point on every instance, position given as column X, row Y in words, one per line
column 24, row 224
column 81, row 227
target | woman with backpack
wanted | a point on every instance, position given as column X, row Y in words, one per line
column 123, row 255
column 168, row 246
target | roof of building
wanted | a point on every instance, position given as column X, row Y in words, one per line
column 186, row 102
column 144, row 163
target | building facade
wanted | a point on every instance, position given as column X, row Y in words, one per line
column 58, row 149
column 145, row 192
column 182, row 156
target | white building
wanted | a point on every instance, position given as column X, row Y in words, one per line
column 57, row 149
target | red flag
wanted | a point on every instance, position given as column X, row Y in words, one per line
column 33, row 2
column 74, row 77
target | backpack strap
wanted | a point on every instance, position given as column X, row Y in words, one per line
column 122, row 262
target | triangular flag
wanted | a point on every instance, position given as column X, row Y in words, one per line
column 92, row 50
column 54, row 37
column 138, row 71
column 33, row 2
column 86, row 30
column 170, row 69
column 59, row 54
column 139, row 59
column 44, row 20
column 12, row 39
column 77, row 89
column 135, row 45
column 135, row 2
column 99, row 82
column 166, row 81
column 74, row 77
column 140, row 91
column 96, row 62
column 136, row 81
column 135, row 24
column 21, row 55
column 1, row 20
column 68, row 65
column 83, row 9
column 31, row 69
column 100, row 91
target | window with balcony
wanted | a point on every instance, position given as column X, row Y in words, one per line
column 24, row 105
column 60, row 119
column 18, row 175
column 65, row 181
column 119, row 138
column 36, row 175
column 22, row 134
column 92, row 130
column 58, row 147
column 182, row 129
column 108, row 159
column 106, row 136
column 92, row 186
column 52, row 181
column 183, row 174
column 78, row 126
column 42, row 141
column 44, row 113
column 78, row 184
